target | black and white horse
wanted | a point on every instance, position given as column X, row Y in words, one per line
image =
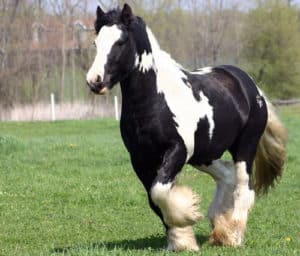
column 171, row 117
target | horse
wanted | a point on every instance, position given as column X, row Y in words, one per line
column 171, row 117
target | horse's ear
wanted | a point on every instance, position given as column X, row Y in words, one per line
column 127, row 14
column 100, row 12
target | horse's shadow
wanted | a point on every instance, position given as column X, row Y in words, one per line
column 153, row 243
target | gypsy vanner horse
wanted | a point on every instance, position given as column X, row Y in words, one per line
column 171, row 117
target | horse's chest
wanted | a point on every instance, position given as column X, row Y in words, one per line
column 141, row 135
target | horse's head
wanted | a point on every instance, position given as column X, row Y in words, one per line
column 116, row 48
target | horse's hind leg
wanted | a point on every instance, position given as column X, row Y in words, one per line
column 179, row 205
column 230, row 225
column 230, row 221
column 223, row 173
column 233, row 200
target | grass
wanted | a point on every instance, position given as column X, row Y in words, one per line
column 67, row 188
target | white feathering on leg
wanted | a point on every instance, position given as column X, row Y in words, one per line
column 179, row 205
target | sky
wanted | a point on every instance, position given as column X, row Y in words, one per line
column 94, row 3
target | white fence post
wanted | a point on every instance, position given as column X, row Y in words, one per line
column 116, row 108
column 53, row 107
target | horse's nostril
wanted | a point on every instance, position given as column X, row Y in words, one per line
column 98, row 80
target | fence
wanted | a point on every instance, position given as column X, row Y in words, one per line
column 286, row 102
column 79, row 110
column 61, row 111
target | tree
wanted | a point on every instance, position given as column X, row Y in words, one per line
column 271, row 47
column 8, row 10
column 65, row 11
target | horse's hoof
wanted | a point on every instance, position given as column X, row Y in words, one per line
column 182, row 239
column 227, row 232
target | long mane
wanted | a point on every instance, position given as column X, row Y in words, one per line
column 158, row 53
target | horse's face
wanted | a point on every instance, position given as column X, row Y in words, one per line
column 115, row 55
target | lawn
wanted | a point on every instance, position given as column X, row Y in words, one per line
column 67, row 188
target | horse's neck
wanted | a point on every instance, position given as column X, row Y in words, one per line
column 140, row 90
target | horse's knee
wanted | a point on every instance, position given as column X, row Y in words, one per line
column 179, row 205
column 160, row 193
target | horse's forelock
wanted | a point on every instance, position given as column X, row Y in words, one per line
column 110, row 18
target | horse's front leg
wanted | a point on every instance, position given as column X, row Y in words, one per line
column 179, row 205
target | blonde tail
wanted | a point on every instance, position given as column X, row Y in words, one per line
column 271, row 153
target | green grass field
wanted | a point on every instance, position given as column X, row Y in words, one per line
column 67, row 188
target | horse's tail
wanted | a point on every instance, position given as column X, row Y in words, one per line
column 271, row 153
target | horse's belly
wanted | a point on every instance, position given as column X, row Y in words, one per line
column 226, row 131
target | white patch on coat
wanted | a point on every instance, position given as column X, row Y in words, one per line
column 145, row 62
column 259, row 101
column 105, row 40
column 137, row 60
column 202, row 71
column 243, row 196
column 260, row 96
column 186, row 109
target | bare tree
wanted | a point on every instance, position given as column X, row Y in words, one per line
column 64, row 10
column 8, row 10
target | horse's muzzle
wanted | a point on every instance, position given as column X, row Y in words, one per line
column 98, row 88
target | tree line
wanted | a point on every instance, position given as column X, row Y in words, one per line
column 46, row 45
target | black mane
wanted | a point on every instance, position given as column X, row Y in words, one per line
column 139, row 29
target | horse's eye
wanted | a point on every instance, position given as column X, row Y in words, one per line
column 120, row 42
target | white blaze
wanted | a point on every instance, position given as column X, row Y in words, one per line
column 105, row 40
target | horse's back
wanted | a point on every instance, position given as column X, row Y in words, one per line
column 229, row 84
column 231, row 91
